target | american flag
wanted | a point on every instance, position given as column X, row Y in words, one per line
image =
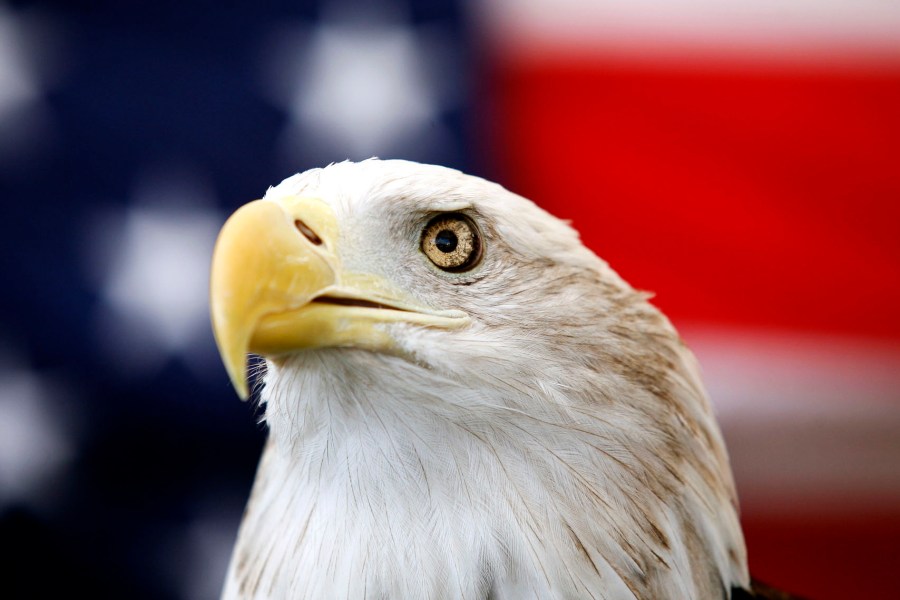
column 738, row 159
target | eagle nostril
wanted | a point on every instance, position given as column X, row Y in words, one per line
column 307, row 232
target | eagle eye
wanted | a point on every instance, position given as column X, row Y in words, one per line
column 451, row 242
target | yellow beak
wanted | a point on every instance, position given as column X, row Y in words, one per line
column 277, row 287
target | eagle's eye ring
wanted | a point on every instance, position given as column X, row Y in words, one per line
column 452, row 242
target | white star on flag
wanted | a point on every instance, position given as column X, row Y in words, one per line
column 29, row 61
column 35, row 438
column 358, row 86
column 152, row 265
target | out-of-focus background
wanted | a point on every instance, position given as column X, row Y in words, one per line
column 740, row 159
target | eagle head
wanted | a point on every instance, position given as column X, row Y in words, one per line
column 462, row 401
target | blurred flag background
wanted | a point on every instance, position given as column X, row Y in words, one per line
column 739, row 159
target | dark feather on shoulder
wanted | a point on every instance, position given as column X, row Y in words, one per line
column 761, row 591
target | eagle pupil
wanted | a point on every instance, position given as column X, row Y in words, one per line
column 446, row 241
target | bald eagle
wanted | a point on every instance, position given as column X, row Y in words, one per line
column 462, row 402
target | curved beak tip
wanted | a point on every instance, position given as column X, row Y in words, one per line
column 234, row 359
column 241, row 388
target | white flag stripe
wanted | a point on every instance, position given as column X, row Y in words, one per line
column 799, row 29
column 806, row 417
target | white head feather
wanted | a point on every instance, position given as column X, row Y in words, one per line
column 561, row 446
